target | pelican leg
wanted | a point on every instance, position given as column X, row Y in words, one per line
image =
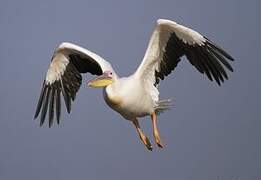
column 155, row 130
column 142, row 136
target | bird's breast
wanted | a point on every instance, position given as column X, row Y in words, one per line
column 112, row 99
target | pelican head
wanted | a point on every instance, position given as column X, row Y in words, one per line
column 103, row 80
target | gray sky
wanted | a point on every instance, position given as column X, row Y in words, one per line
column 212, row 133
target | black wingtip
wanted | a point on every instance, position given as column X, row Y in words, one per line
column 231, row 58
column 51, row 107
column 218, row 82
column 45, row 106
column 67, row 98
column 58, row 105
column 220, row 50
column 41, row 124
column 40, row 101
column 220, row 57
column 35, row 116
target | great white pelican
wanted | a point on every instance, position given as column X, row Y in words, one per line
column 137, row 95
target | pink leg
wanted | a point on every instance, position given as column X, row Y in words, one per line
column 143, row 138
column 155, row 130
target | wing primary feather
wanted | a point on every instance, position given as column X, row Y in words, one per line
column 209, row 65
column 58, row 105
column 220, row 58
column 51, row 107
column 204, row 65
column 213, row 72
column 219, row 49
column 217, row 68
column 217, row 71
column 45, row 105
column 66, row 97
column 215, row 61
column 40, row 101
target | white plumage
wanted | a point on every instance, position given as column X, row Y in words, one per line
column 137, row 95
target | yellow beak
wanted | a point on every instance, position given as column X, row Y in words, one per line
column 100, row 81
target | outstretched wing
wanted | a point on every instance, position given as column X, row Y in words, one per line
column 170, row 41
column 64, row 75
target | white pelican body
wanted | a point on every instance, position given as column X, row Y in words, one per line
column 128, row 97
column 137, row 95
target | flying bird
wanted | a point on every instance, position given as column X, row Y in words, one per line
column 137, row 95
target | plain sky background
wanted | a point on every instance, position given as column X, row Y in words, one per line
column 213, row 133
